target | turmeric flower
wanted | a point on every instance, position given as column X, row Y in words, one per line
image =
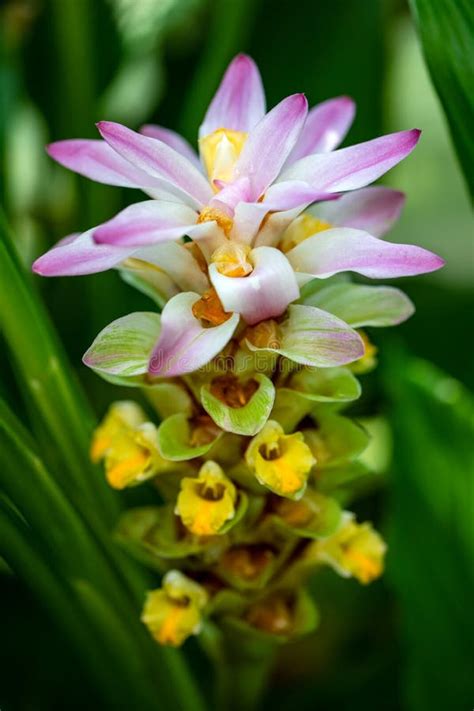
column 252, row 358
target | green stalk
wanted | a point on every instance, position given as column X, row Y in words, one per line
column 46, row 509
column 242, row 664
column 99, row 638
column 76, row 558
column 74, row 45
column 49, row 383
column 20, row 552
column 55, row 398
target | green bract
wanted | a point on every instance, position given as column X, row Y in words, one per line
column 123, row 348
column 248, row 419
column 174, row 440
column 308, row 386
column 360, row 305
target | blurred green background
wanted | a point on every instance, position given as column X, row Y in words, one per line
column 407, row 641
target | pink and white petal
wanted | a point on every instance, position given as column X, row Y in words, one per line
column 373, row 209
column 272, row 229
column 293, row 193
column 174, row 140
column 239, row 102
column 231, row 194
column 325, row 127
column 178, row 262
column 344, row 249
column 280, row 197
column 79, row 254
column 96, row 160
column 184, row 344
column 209, row 236
column 264, row 293
column 270, row 143
column 353, row 167
column 157, row 159
column 248, row 217
column 144, row 223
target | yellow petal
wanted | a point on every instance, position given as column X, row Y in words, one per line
column 281, row 462
column 356, row 549
column 206, row 502
column 173, row 613
column 133, row 457
column 368, row 360
column 121, row 416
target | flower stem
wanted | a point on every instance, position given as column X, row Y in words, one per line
column 242, row 664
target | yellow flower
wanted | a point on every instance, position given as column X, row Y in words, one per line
column 368, row 360
column 120, row 417
column 300, row 229
column 281, row 462
column 173, row 613
column 206, row 502
column 356, row 549
column 219, row 151
column 134, row 457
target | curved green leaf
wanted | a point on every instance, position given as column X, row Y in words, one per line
column 446, row 29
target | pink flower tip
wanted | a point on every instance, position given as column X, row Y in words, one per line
column 58, row 149
column 242, row 58
column 36, row 267
column 106, row 126
column 346, row 100
column 298, row 102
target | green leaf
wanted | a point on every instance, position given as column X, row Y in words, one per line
column 446, row 31
column 431, row 562
column 360, row 305
column 47, row 380
column 246, row 420
column 123, row 348
column 78, row 560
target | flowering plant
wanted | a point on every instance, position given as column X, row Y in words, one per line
column 252, row 362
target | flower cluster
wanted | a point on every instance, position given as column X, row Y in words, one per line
column 253, row 357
